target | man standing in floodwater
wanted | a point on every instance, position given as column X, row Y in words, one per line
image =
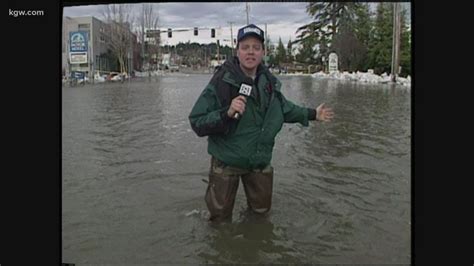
column 241, row 111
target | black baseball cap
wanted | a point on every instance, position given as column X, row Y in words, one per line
column 250, row 30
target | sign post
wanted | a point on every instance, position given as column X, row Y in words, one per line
column 78, row 46
column 333, row 63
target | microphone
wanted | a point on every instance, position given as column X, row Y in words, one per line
column 245, row 90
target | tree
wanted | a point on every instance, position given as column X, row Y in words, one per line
column 289, row 52
column 306, row 53
column 119, row 32
column 148, row 19
column 362, row 28
column 323, row 50
column 380, row 46
column 280, row 53
column 327, row 19
column 363, row 23
column 349, row 49
column 270, row 51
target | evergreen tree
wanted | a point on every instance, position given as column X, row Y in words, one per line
column 289, row 51
column 327, row 19
column 270, row 51
column 268, row 44
column 361, row 39
column 349, row 49
column 380, row 51
column 362, row 28
column 323, row 50
column 306, row 53
column 280, row 53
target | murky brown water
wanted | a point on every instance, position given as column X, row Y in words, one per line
column 132, row 169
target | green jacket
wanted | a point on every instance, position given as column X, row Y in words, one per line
column 247, row 142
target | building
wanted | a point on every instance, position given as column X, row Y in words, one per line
column 97, row 57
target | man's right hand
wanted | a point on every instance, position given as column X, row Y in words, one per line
column 237, row 106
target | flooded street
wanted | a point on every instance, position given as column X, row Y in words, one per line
column 132, row 167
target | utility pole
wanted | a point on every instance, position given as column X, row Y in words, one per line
column 129, row 65
column 231, row 37
column 218, row 59
column 266, row 40
column 396, row 41
column 143, row 36
column 68, row 67
column 91, row 59
column 158, row 50
column 130, row 69
column 176, row 54
column 247, row 10
column 99, row 51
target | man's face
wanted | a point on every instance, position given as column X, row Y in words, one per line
column 250, row 52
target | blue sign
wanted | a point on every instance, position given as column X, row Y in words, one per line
column 78, row 74
column 78, row 41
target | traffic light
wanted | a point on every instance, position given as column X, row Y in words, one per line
column 195, row 31
column 213, row 33
column 169, row 33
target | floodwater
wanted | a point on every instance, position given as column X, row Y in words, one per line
column 132, row 170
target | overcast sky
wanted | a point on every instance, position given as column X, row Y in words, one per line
column 282, row 18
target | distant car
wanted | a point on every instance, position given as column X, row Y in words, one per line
column 173, row 68
column 113, row 76
column 117, row 77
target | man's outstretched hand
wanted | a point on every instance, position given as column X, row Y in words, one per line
column 324, row 113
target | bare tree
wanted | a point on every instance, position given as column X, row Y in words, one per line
column 119, row 33
column 148, row 20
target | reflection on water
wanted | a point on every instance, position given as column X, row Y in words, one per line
column 132, row 170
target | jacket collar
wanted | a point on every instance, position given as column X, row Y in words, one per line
column 236, row 76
